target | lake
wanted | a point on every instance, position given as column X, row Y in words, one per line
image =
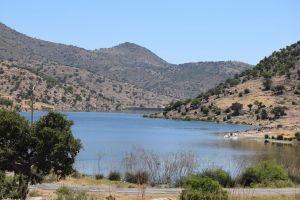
column 106, row 137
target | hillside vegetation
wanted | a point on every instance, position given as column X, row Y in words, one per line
column 126, row 63
column 267, row 95
column 67, row 88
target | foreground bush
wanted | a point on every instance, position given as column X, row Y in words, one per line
column 202, row 188
column 64, row 193
column 219, row 175
column 266, row 173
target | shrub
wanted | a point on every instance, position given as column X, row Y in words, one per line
column 64, row 193
column 236, row 107
column 297, row 136
column 264, row 114
column 267, row 136
column 195, row 103
column 99, row 176
column 130, row 177
column 246, row 91
column 219, row 175
column 264, row 173
column 202, row 188
column 250, row 106
column 278, row 89
column 114, row 176
column 280, row 137
column 110, row 197
column 267, row 83
column 278, row 111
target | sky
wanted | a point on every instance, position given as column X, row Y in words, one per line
column 178, row 31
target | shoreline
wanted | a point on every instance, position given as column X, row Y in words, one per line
column 259, row 133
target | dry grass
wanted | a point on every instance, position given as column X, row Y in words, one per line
column 91, row 181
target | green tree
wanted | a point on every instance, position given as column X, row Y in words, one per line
column 250, row 106
column 267, row 83
column 237, row 108
column 34, row 152
column 264, row 114
column 278, row 111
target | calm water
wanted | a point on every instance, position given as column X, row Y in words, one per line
column 111, row 135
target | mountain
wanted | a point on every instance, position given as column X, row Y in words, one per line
column 68, row 88
column 267, row 96
column 127, row 62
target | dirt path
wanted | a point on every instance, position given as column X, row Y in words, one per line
column 170, row 191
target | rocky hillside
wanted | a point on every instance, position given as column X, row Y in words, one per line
column 127, row 63
column 68, row 88
column 267, row 95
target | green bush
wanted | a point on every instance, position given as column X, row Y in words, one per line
column 266, row 172
column 264, row 114
column 278, row 89
column 267, row 136
column 202, row 188
column 64, row 193
column 237, row 108
column 130, row 177
column 297, row 136
column 114, row 176
column 278, row 111
column 99, row 176
column 267, row 83
column 219, row 175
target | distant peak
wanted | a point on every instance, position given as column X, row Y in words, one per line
column 128, row 45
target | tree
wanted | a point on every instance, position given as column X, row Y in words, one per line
column 236, row 107
column 250, row 106
column 246, row 91
column 264, row 114
column 32, row 152
column 195, row 103
column 278, row 111
column 267, row 83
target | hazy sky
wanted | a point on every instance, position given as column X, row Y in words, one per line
column 177, row 31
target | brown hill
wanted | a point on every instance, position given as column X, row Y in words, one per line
column 127, row 62
column 67, row 88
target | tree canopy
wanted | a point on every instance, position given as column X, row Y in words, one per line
column 32, row 152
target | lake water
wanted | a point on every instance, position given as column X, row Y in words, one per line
column 111, row 135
